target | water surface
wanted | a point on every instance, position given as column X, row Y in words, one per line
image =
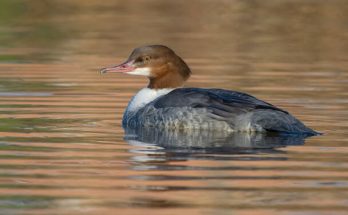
column 63, row 149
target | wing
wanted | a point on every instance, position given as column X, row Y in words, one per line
column 219, row 102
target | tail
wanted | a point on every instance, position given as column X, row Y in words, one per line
column 280, row 122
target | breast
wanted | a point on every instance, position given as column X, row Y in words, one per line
column 144, row 97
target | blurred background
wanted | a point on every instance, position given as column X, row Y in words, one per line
column 286, row 31
column 62, row 145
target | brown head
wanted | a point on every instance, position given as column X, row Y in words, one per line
column 159, row 63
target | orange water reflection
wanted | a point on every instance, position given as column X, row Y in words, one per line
column 62, row 145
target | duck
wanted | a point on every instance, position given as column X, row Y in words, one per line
column 165, row 103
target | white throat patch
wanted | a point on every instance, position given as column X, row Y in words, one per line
column 145, row 71
column 145, row 96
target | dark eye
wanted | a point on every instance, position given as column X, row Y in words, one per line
column 146, row 59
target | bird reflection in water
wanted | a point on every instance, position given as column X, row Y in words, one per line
column 163, row 144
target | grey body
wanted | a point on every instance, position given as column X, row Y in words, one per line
column 214, row 109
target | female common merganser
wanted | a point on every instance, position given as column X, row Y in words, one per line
column 165, row 103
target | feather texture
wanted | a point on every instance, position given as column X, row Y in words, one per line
column 214, row 109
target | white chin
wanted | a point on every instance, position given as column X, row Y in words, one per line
column 145, row 71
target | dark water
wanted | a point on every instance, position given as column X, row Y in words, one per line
column 63, row 150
